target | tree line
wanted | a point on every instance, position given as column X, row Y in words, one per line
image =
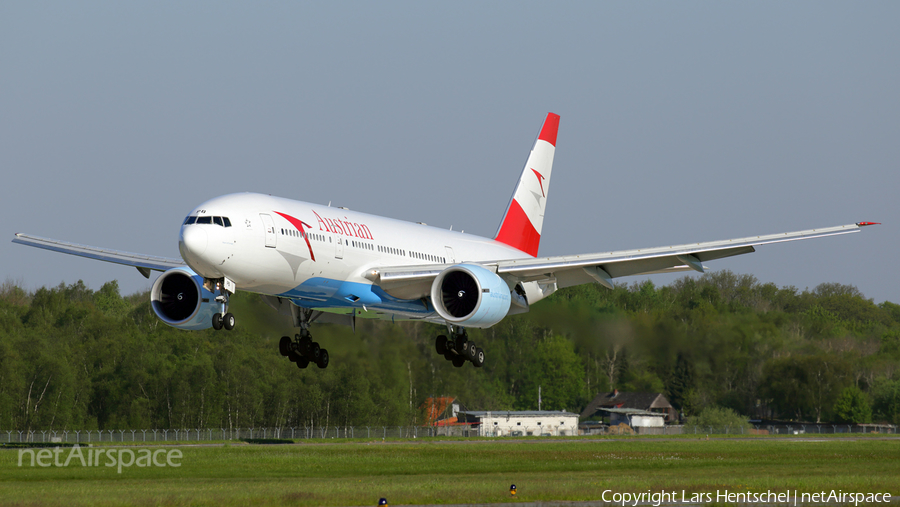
column 75, row 358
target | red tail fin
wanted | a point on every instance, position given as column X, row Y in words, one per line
column 521, row 225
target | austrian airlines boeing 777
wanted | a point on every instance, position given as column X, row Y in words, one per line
column 324, row 264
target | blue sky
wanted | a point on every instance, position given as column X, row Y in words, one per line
column 681, row 122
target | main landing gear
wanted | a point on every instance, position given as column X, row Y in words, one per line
column 458, row 348
column 302, row 349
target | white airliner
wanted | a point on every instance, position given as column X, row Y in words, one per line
column 325, row 264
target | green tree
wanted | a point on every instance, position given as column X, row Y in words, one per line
column 74, row 358
column 800, row 387
column 887, row 401
column 557, row 371
column 717, row 418
column 109, row 301
column 852, row 406
column 680, row 382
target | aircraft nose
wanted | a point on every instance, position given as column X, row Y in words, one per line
column 193, row 242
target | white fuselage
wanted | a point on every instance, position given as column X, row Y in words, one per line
column 317, row 255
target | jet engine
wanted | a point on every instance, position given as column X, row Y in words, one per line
column 470, row 295
column 179, row 299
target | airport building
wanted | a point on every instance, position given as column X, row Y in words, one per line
column 521, row 423
column 635, row 418
column 637, row 404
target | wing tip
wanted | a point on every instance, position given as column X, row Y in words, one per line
column 864, row 224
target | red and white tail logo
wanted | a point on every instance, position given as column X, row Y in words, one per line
column 521, row 225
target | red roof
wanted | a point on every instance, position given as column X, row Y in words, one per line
column 434, row 408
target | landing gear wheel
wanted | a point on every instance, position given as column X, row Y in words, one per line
column 440, row 344
column 460, row 345
column 314, row 352
column 471, row 353
column 302, row 362
column 479, row 358
column 458, row 361
column 322, row 361
column 228, row 321
column 304, row 345
column 217, row 321
column 294, row 357
column 449, row 355
column 284, row 346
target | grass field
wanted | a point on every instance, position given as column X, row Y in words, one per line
column 478, row 471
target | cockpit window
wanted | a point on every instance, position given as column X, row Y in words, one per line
column 220, row 221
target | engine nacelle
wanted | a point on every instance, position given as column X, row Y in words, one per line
column 470, row 295
column 179, row 299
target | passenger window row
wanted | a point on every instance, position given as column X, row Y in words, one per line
column 415, row 255
column 428, row 257
column 391, row 250
column 297, row 234
column 360, row 244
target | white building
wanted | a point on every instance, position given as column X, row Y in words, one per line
column 635, row 418
column 519, row 424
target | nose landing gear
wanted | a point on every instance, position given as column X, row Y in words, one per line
column 223, row 288
column 226, row 321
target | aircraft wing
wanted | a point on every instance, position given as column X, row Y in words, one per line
column 412, row 282
column 143, row 263
column 603, row 267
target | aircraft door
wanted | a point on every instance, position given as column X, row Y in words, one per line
column 269, row 226
column 451, row 259
column 338, row 247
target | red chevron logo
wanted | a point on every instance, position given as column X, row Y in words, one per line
column 540, row 178
column 301, row 226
